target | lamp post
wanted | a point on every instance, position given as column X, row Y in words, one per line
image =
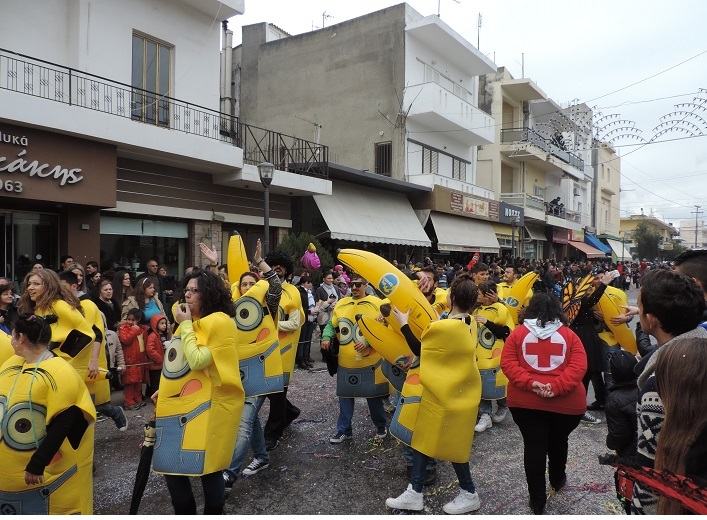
column 513, row 241
column 266, row 171
column 623, row 246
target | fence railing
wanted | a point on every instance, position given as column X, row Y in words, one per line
column 46, row 80
column 528, row 135
column 524, row 200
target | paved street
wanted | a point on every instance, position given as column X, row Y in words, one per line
column 307, row 475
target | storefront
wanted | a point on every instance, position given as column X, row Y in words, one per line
column 52, row 187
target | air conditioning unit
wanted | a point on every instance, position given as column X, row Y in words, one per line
column 575, row 191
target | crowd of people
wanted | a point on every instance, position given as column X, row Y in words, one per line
column 517, row 337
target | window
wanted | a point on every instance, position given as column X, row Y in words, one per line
column 430, row 161
column 458, row 169
column 539, row 191
column 151, row 72
column 383, row 154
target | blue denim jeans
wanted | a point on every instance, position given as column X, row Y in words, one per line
column 409, row 457
column 250, row 434
column 486, row 405
column 346, row 409
column 419, row 468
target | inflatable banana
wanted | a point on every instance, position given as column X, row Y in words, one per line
column 489, row 349
column 519, row 294
column 72, row 336
column 237, row 259
column 259, row 357
column 440, row 303
column 99, row 388
column 31, row 396
column 198, row 410
column 6, row 350
column 393, row 284
column 389, row 343
column 357, row 375
column 440, row 399
column 290, row 302
column 610, row 305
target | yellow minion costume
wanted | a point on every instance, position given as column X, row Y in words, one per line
column 6, row 350
column 259, row 357
column 72, row 335
column 357, row 376
column 290, row 303
column 439, row 304
column 32, row 395
column 489, row 349
column 99, row 388
column 198, row 409
column 440, row 399
column 614, row 335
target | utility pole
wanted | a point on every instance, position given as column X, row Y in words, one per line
column 697, row 213
column 522, row 64
column 478, row 33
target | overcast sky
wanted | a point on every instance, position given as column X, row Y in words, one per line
column 578, row 51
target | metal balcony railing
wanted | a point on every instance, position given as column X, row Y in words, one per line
column 46, row 80
column 528, row 135
column 524, row 200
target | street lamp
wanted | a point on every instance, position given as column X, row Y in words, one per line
column 623, row 246
column 266, row 172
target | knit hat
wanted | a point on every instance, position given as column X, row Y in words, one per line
column 621, row 365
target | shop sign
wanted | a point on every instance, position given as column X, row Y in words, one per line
column 510, row 214
column 473, row 206
column 53, row 167
column 560, row 235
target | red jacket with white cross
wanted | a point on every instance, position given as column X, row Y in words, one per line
column 559, row 360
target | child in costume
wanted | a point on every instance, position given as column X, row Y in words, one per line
column 157, row 337
column 132, row 337
column 46, row 435
column 439, row 403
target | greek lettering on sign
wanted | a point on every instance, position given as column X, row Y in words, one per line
column 43, row 170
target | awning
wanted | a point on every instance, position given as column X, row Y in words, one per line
column 596, row 243
column 364, row 214
column 587, row 250
column 619, row 249
column 464, row 234
column 503, row 230
column 536, row 232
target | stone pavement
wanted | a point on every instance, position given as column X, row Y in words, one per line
column 307, row 475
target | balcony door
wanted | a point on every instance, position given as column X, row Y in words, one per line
column 151, row 77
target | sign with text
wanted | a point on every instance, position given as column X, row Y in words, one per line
column 473, row 206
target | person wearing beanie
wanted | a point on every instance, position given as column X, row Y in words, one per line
column 621, row 404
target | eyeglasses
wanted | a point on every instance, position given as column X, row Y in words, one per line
column 356, row 284
column 192, row 290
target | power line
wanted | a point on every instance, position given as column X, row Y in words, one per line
column 648, row 100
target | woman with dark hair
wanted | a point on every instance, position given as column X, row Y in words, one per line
column 199, row 381
column 681, row 378
column 303, row 359
column 80, row 273
column 104, row 298
column 444, row 407
column 123, row 286
column 8, row 311
column 544, row 362
column 45, row 404
column 145, row 298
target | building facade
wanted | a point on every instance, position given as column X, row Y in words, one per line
column 665, row 230
column 607, row 190
column 118, row 142
column 693, row 234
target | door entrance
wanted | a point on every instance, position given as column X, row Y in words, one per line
column 28, row 238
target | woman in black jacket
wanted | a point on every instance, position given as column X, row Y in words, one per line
column 303, row 358
column 105, row 301
column 8, row 311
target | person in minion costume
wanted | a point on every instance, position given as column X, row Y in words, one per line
column 427, row 279
column 360, row 367
column 72, row 334
column 494, row 325
column 440, row 399
column 46, row 428
column 200, row 398
column 515, row 293
column 6, row 350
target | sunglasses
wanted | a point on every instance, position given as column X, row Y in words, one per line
column 356, row 284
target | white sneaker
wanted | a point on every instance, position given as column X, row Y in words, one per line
column 464, row 502
column 500, row 414
column 484, row 423
column 410, row 500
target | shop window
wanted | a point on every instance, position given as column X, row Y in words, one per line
column 152, row 73
column 383, row 157
column 28, row 238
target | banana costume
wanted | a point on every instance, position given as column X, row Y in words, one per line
column 519, row 294
column 257, row 344
column 198, row 411
column 72, row 335
column 99, row 388
column 610, row 305
column 290, row 303
column 31, row 396
column 386, row 340
column 357, row 376
column 489, row 349
column 440, row 399
column 440, row 304
column 393, row 284
column 6, row 350
column 237, row 259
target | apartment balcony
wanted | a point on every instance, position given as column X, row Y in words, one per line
column 534, row 206
column 525, row 143
column 430, row 180
column 449, row 109
column 143, row 124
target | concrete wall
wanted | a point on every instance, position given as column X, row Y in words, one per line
column 607, row 175
column 343, row 77
column 96, row 36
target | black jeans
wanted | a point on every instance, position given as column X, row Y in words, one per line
column 420, row 463
column 305, row 342
column 111, row 411
column 282, row 413
column 154, row 383
column 183, row 498
column 544, row 438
